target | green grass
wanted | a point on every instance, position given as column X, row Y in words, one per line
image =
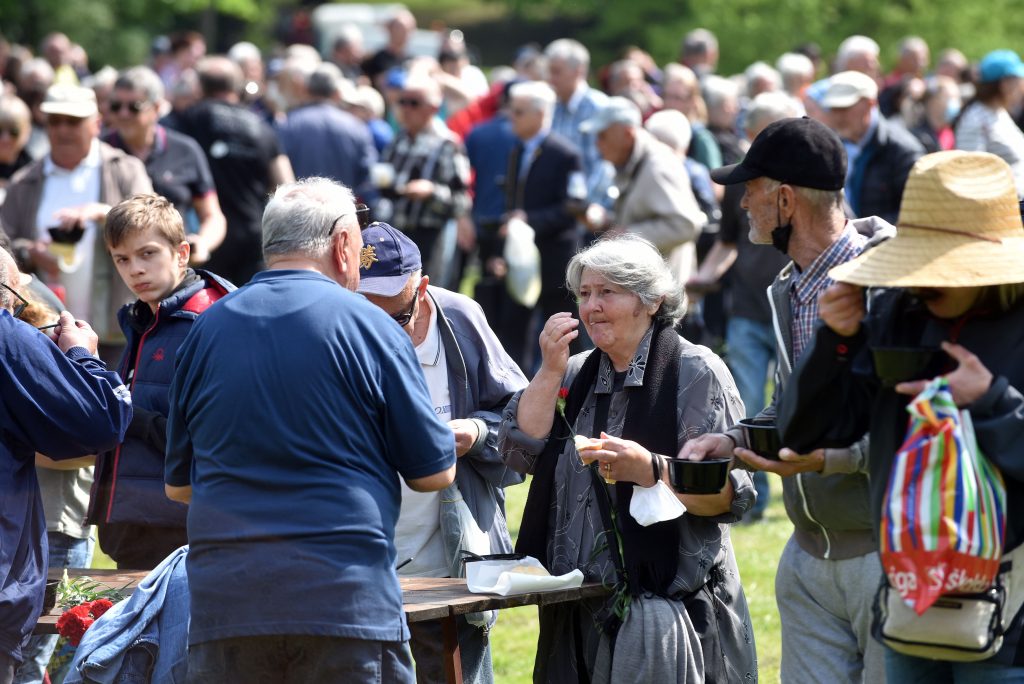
column 758, row 547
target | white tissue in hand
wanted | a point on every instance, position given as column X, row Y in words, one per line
column 654, row 504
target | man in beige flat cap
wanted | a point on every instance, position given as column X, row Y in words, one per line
column 953, row 279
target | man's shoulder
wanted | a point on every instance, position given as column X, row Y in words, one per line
column 117, row 158
column 896, row 137
column 559, row 145
column 31, row 173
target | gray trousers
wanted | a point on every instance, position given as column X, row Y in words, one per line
column 825, row 610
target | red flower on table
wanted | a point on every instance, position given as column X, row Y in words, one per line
column 73, row 624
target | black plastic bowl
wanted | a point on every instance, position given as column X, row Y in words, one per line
column 66, row 237
column 894, row 365
column 698, row 477
column 762, row 437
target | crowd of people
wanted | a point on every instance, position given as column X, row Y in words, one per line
column 698, row 240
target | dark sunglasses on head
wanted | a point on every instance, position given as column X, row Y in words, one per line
column 362, row 213
column 403, row 318
column 410, row 102
column 11, row 130
column 134, row 107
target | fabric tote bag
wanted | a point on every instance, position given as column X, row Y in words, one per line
column 943, row 525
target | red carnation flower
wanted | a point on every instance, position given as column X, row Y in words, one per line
column 563, row 393
column 100, row 606
column 73, row 623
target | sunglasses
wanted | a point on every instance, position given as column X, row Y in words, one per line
column 362, row 213
column 22, row 304
column 411, row 103
column 134, row 107
column 12, row 131
column 403, row 318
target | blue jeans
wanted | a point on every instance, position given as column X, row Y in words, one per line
column 751, row 349
column 910, row 670
column 65, row 552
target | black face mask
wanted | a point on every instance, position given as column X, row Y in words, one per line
column 781, row 233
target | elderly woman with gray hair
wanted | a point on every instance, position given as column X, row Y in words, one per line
column 678, row 612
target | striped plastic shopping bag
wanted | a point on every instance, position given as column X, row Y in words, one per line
column 944, row 512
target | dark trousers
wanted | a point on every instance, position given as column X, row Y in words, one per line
column 299, row 659
column 7, row 664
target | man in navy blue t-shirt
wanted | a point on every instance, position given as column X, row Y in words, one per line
column 295, row 407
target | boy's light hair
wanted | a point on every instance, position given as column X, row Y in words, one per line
column 139, row 212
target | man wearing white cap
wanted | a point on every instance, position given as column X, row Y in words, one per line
column 880, row 154
column 653, row 194
column 953, row 279
column 470, row 379
column 73, row 188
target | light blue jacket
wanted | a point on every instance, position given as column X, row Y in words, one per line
column 145, row 637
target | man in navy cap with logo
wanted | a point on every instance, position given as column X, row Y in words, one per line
column 470, row 379
column 828, row 573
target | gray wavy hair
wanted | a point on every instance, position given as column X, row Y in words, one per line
column 300, row 215
column 636, row 265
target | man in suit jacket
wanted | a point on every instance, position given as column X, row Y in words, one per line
column 543, row 180
column 881, row 153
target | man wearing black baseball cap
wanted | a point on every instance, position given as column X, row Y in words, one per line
column 794, row 174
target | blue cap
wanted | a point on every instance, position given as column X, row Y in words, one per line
column 395, row 78
column 388, row 258
column 999, row 64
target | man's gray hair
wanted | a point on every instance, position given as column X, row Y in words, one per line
column 37, row 66
column 795, row 69
column 719, row 90
column 852, row 47
column 767, row 108
column 821, row 201
column 300, row 216
column 325, row 81
column 699, row 41
column 144, row 80
column 636, row 265
column 570, row 51
column 762, row 71
column 104, row 78
column 538, row 94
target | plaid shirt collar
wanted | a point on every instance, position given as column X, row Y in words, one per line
column 807, row 284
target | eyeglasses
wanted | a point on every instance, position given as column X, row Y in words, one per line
column 12, row 131
column 403, row 318
column 362, row 213
column 134, row 107
column 22, row 302
column 410, row 102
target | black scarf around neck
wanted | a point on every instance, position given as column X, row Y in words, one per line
column 651, row 553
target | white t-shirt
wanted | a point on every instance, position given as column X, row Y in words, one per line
column 63, row 189
column 418, row 531
column 983, row 129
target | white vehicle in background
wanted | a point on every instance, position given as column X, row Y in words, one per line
column 329, row 19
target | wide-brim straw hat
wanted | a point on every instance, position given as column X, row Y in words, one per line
column 959, row 226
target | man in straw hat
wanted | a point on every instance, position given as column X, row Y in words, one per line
column 793, row 175
column 955, row 273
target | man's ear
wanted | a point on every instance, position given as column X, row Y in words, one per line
column 184, row 250
column 421, row 289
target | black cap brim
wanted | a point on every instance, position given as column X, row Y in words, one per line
column 734, row 174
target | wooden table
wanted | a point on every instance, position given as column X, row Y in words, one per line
column 423, row 599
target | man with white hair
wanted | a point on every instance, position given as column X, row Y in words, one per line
column 722, row 97
column 880, row 153
column 653, row 199
column 568, row 64
column 542, row 182
column 797, row 72
column 423, row 177
column 292, row 471
column 321, row 139
column 858, row 53
column 911, row 66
